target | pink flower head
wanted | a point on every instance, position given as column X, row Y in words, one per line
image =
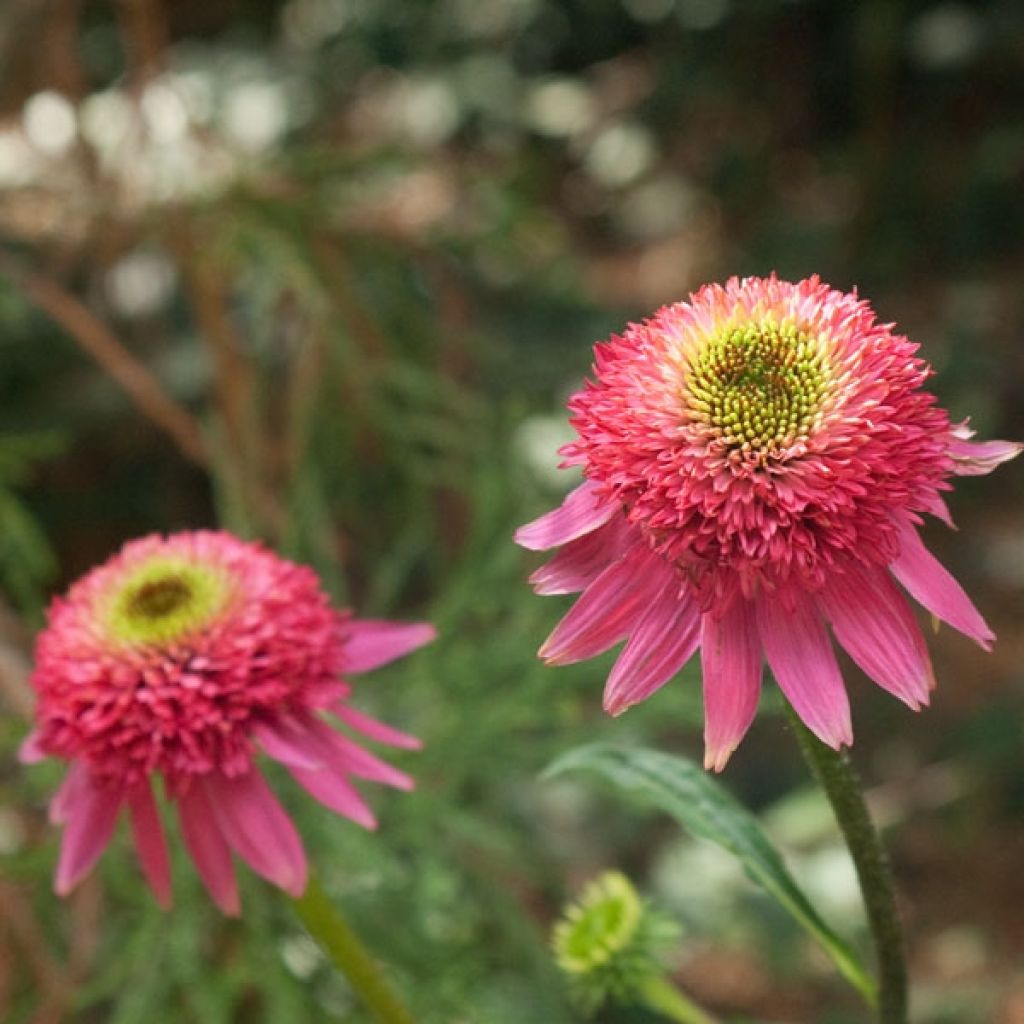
column 181, row 656
column 757, row 462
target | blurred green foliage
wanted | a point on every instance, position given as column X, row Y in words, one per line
column 363, row 246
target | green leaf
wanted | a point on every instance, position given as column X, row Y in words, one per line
column 704, row 807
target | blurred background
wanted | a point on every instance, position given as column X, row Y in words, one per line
column 323, row 272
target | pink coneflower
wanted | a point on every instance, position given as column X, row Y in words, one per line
column 757, row 463
column 182, row 656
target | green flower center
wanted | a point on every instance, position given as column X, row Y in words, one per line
column 165, row 599
column 759, row 385
column 601, row 925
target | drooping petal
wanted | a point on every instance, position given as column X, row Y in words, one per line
column 68, row 793
column 374, row 729
column 580, row 513
column 873, row 622
column 801, row 658
column 976, row 458
column 90, row 824
column 258, row 829
column 931, row 585
column 607, row 609
column 730, row 651
column 30, row 752
column 371, row 643
column 337, row 793
column 581, row 561
column 209, row 849
column 662, row 641
column 342, row 754
column 150, row 845
column 286, row 741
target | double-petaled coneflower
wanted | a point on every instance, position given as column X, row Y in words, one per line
column 757, row 463
column 183, row 657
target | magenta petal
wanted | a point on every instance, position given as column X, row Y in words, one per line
column 375, row 730
column 30, row 752
column 976, row 458
column 662, row 641
column 68, row 794
column 581, row 561
column 801, row 658
column 337, row 793
column 731, row 666
column 209, row 849
column 370, row 643
column 90, row 824
column 286, row 741
column 608, row 608
column 581, row 512
column 148, row 833
column 348, row 757
column 873, row 622
column 258, row 829
column 931, row 585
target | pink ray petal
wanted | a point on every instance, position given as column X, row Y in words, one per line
column 258, row 829
column 930, row 584
column 731, row 666
column 976, row 458
column 344, row 755
column 581, row 561
column 662, row 641
column 30, row 752
column 90, row 824
column 209, row 849
column 371, row 643
column 378, row 731
column 873, row 622
column 581, row 512
column 607, row 609
column 801, row 658
column 148, row 833
column 337, row 793
column 68, row 794
column 286, row 741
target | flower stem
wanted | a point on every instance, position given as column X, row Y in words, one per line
column 663, row 997
column 327, row 925
column 837, row 777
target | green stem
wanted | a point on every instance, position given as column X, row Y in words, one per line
column 663, row 997
column 835, row 773
column 327, row 925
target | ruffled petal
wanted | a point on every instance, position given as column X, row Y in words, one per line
column 801, row 658
column 930, row 584
column 209, row 849
column 662, row 641
column 581, row 512
column 258, row 829
column 873, row 622
column 150, row 845
column 370, row 643
column 607, row 610
column 378, row 731
column 730, row 651
column 581, row 561
column 91, row 818
column 337, row 793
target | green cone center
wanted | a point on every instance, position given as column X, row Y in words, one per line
column 165, row 599
column 759, row 385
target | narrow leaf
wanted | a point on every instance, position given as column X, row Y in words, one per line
column 704, row 807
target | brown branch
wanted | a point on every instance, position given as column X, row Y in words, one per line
column 95, row 337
